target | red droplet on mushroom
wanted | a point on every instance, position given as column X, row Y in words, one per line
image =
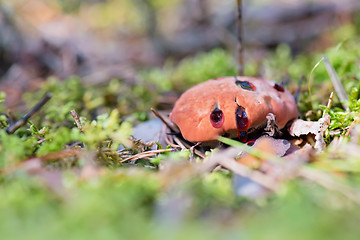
column 217, row 118
column 245, row 85
column 242, row 120
column 242, row 123
column 243, row 136
column 279, row 87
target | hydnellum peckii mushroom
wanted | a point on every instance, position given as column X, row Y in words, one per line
column 231, row 106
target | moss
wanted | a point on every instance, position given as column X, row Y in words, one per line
column 97, row 196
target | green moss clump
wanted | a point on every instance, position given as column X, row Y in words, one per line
column 192, row 70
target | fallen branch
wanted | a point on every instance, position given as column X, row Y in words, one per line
column 22, row 121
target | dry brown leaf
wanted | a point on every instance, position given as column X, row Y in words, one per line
column 300, row 127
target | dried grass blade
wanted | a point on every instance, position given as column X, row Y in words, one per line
column 145, row 154
column 340, row 91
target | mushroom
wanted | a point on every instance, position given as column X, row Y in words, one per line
column 231, row 105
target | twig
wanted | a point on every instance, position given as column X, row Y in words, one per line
column 76, row 118
column 166, row 138
column 187, row 146
column 337, row 84
column 335, row 132
column 22, row 121
column 145, row 154
column 356, row 120
column 61, row 154
column 179, row 141
column 157, row 114
column 192, row 148
column 240, row 40
column 328, row 106
column 41, row 140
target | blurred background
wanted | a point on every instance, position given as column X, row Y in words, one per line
column 100, row 40
column 111, row 60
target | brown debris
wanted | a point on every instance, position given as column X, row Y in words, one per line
column 76, row 119
column 146, row 154
column 271, row 128
column 300, row 127
column 61, row 154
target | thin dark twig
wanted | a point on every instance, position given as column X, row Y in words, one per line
column 22, row 121
column 188, row 146
column 240, row 38
column 177, row 140
column 157, row 114
column 166, row 138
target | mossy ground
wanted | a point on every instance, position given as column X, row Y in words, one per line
column 94, row 195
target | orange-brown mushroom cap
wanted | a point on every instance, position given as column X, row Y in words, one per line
column 192, row 110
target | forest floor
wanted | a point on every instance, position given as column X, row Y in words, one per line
column 78, row 81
